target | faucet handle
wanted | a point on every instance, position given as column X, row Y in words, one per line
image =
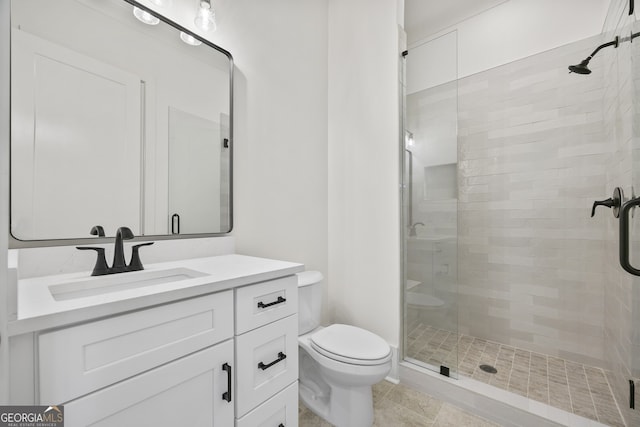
column 97, row 230
column 101, row 267
column 136, row 263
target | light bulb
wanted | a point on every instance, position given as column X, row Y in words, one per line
column 205, row 17
column 189, row 39
column 145, row 17
column 408, row 137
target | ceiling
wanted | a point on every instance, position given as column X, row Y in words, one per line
column 426, row 17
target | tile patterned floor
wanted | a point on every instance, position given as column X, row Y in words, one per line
column 400, row 406
column 573, row 387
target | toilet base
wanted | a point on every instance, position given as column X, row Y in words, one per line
column 339, row 404
column 337, row 408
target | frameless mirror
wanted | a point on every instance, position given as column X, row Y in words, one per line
column 115, row 122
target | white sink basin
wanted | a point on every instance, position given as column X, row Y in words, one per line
column 119, row 282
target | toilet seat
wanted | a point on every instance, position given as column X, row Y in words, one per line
column 350, row 344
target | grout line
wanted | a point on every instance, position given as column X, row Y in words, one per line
column 606, row 378
column 566, row 374
column 595, row 407
column 546, row 359
column 529, row 376
column 586, row 377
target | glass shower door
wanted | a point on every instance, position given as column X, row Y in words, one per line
column 633, row 330
column 430, row 204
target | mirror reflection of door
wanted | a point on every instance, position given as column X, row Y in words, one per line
column 194, row 180
column 75, row 123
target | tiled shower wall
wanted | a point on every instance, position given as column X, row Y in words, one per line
column 532, row 159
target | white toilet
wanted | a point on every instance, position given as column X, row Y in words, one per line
column 339, row 363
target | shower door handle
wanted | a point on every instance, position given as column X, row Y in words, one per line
column 625, row 210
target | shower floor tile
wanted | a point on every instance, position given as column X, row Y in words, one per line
column 573, row 387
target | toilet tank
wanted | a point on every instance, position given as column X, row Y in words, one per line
column 309, row 300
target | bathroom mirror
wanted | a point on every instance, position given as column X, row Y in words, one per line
column 115, row 122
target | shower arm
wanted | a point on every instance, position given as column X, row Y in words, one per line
column 614, row 42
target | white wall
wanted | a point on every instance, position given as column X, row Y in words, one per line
column 364, row 252
column 4, row 197
column 514, row 30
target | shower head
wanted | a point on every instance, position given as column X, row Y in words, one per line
column 581, row 68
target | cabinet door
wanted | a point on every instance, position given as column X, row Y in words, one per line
column 78, row 360
column 186, row 392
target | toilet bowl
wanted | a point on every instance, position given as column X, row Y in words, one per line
column 338, row 363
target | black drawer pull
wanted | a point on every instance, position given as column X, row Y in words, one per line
column 280, row 300
column 227, row 394
column 280, row 425
column 281, row 357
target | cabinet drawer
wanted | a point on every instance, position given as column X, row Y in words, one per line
column 77, row 360
column 185, row 392
column 267, row 362
column 281, row 409
column 266, row 302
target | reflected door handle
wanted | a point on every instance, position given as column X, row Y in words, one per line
column 625, row 262
column 175, row 224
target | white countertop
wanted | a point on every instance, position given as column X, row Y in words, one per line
column 37, row 309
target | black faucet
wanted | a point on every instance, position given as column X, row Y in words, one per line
column 119, row 265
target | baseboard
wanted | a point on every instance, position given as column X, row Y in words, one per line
column 394, row 373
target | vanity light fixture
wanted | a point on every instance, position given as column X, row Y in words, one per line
column 205, row 17
column 189, row 39
column 145, row 17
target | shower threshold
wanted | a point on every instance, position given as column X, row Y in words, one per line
column 492, row 403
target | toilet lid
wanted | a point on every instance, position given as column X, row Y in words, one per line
column 350, row 344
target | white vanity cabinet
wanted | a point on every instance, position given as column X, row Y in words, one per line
column 217, row 349
column 267, row 354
